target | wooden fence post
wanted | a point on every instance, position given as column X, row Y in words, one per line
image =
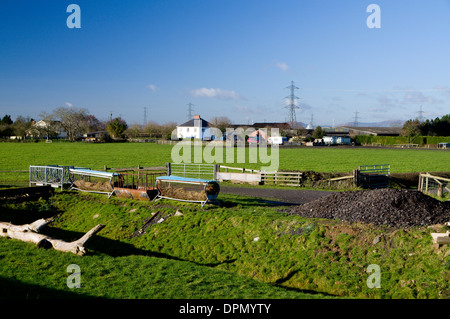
column 355, row 177
column 440, row 193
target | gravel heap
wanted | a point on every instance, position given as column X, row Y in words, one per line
column 398, row 208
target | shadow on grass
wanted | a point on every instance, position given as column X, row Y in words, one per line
column 279, row 283
column 28, row 214
column 13, row 289
column 102, row 245
column 230, row 201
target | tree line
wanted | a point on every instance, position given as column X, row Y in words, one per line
column 433, row 127
column 77, row 121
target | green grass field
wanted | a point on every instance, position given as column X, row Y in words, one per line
column 245, row 249
column 19, row 156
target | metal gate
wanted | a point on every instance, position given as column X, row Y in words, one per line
column 53, row 175
column 373, row 176
column 200, row 171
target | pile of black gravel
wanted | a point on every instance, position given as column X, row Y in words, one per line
column 398, row 208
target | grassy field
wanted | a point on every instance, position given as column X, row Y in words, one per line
column 19, row 156
column 245, row 249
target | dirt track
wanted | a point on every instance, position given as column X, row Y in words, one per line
column 290, row 196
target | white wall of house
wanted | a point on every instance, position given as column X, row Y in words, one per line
column 189, row 132
column 194, row 130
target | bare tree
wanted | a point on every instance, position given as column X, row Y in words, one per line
column 91, row 124
column 49, row 127
column 221, row 122
column 134, row 130
column 21, row 125
column 166, row 130
column 153, row 129
column 71, row 119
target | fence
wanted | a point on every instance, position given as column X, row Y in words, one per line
column 285, row 178
column 200, row 171
column 248, row 175
column 373, row 176
column 434, row 185
column 53, row 175
column 240, row 175
column 140, row 180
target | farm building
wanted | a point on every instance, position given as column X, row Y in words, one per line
column 337, row 140
column 94, row 136
column 43, row 128
column 375, row 131
column 267, row 125
column 197, row 128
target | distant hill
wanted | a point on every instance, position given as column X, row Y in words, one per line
column 388, row 123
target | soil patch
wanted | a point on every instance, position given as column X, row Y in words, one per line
column 392, row 207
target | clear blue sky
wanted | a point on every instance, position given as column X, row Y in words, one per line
column 229, row 58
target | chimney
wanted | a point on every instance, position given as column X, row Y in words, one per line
column 197, row 121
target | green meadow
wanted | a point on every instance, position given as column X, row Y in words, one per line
column 244, row 249
column 19, row 156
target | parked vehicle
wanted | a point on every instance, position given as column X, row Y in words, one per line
column 280, row 140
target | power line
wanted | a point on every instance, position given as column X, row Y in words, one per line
column 190, row 110
column 420, row 118
column 292, row 106
column 355, row 121
column 145, row 116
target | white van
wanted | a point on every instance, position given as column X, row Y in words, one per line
column 280, row 140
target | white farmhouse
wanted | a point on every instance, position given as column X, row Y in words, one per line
column 196, row 128
column 44, row 128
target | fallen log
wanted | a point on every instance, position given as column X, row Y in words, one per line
column 30, row 233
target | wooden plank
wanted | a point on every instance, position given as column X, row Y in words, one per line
column 436, row 177
column 341, row 178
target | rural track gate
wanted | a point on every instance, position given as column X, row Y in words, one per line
column 373, row 176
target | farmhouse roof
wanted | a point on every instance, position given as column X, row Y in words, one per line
column 191, row 122
column 271, row 125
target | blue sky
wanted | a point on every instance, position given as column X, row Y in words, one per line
column 228, row 58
